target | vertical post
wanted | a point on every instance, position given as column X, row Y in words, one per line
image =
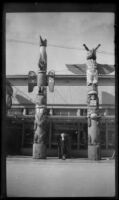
column 50, row 135
column 78, row 137
column 9, row 93
column 93, row 105
column 22, row 143
column 106, row 134
column 39, row 146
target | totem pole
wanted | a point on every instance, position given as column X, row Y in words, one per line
column 41, row 80
column 92, row 68
column 93, row 105
column 8, row 104
column 9, row 93
column 39, row 146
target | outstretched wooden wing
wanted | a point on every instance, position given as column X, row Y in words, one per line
column 105, row 69
column 81, row 68
column 32, row 80
column 77, row 68
column 51, row 80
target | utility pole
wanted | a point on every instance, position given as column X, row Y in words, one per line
column 93, row 105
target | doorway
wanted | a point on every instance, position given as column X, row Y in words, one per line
column 77, row 132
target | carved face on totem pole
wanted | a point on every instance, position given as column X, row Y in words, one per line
column 40, row 115
column 40, row 110
column 92, row 104
column 92, row 98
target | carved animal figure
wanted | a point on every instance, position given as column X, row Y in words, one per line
column 39, row 125
column 92, row 71
column 42, row 64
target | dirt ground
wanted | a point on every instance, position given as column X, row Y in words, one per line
column 54, row 177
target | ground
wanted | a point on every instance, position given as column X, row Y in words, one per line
column 53, row 177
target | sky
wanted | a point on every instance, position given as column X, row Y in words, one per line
column 63, row 29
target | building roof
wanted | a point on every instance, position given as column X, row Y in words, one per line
column 69, row 90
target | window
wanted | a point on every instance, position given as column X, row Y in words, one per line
column 73, row 139
column 28, row 134
column 65, row 112
column 111, row 111
column 31, row 111
column 103, row 135
column 102, row 111
column 111, row 135
column 56, row 112
column 83, row 136
column 72, row 112
column 103, row 139
column 15, row 111
column 83, row 112
column 111, row 140
column 61, row 112
column 54, row 139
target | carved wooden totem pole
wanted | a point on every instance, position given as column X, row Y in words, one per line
column 93, row 105
column 41, row 80
column 39, row 146
column 9, row 93
column 92, row 69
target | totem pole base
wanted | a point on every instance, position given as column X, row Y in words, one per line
column 94, row 152
column 39, row 151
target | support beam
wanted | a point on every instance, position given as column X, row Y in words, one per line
column 78, row 137
column 106, row 135
column 22, row 143
column 50, row 135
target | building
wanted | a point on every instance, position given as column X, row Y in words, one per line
column 67, row 112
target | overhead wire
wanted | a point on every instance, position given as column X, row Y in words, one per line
column 20, row 41
column 56, row 46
